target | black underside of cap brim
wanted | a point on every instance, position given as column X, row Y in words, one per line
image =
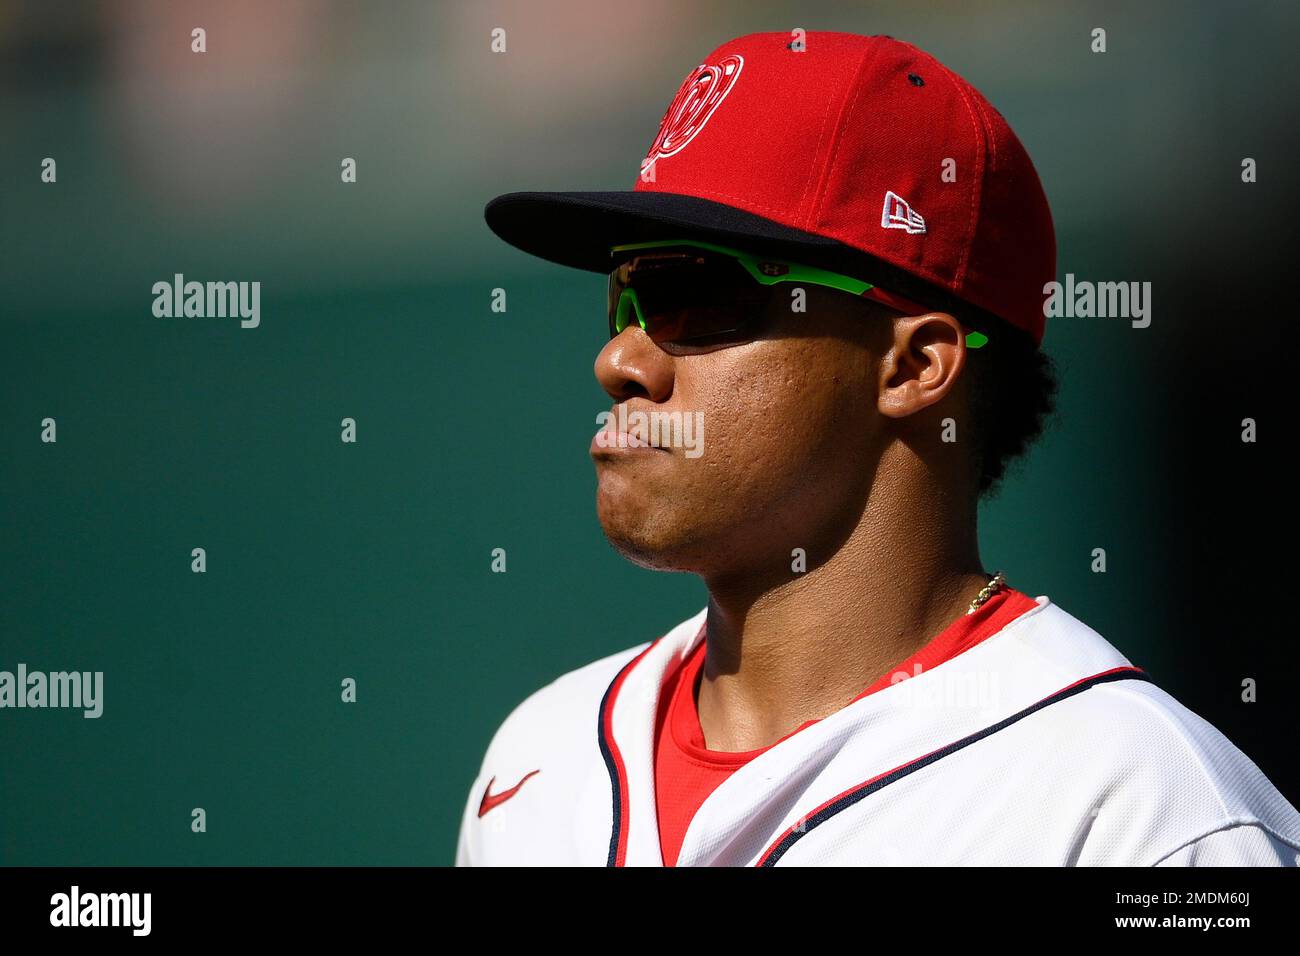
column 577, row 228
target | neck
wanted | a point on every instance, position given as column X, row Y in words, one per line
column 797, row 647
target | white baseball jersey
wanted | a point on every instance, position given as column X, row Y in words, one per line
column 1042, row 745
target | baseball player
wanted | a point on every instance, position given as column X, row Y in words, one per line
column 835, row 259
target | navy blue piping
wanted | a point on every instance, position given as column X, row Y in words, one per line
column 605, row 751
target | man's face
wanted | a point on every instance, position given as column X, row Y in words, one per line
column 791, row 439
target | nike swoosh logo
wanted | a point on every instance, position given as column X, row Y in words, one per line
column 491, row 799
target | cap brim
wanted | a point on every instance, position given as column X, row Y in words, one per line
column 577, row 228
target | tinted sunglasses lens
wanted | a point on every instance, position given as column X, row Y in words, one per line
column 690, row 300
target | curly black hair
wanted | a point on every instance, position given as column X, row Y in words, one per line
column 1013, row 388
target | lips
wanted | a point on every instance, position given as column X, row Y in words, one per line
column 610, row 438
column 610, row 442
column 613, row 440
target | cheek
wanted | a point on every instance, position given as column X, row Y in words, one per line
column 780, row 412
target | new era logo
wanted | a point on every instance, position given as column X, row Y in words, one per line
column 898, row 214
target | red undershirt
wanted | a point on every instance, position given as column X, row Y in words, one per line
column 686, row 771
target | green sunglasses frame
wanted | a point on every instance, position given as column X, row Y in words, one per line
column 793, row 272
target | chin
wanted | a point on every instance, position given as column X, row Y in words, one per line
column 642, row 554
column 647, row 534
column 631, row 534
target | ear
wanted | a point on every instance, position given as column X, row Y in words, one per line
column 923, row 363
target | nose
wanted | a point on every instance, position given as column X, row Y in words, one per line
column 632, row 366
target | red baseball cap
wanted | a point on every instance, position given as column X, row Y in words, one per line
column 861, row 154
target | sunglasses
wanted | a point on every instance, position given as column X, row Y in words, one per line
column 692, row 296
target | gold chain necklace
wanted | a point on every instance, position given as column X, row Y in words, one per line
column 995, row 584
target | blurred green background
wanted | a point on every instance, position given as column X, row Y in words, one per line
column 372, row 561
